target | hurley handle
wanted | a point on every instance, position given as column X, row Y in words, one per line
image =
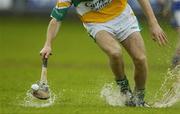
column 44, row 62
column 44, row 71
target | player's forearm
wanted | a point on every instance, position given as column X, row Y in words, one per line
column 52, row 31
column 147, row 9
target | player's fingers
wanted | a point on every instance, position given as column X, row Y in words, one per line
column 165, row 37
column 47, row 55
column 154, row 37
column 161, row 40
column 42, row 54
column 158, row 39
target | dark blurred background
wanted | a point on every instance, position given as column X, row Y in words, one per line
column 22, row 7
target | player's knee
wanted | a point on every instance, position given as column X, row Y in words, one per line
column 140, row 60
column 115, row 54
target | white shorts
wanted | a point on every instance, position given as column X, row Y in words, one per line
column 120, row 27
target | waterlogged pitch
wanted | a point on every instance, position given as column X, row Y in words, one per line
column 79, row 76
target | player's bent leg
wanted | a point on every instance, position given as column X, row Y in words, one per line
column 112, row 48
column 136, row 49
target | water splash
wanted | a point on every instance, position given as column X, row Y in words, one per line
column 30, row 101
column 112, row 95
column 169, row 93
column 166, row 96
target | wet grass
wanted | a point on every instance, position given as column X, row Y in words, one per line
column 77, row 70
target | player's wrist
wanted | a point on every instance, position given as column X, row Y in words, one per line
column 153, row 22
column 47, row 44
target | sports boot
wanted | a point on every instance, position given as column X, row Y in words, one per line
column 126, row 91
column 138, row 97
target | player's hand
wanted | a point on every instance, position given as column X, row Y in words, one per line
column 158, row 34
column 45, row 52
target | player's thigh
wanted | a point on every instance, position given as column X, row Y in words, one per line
column 134, row 45
column 107, row 43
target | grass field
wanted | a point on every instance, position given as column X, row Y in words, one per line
column 77, row 70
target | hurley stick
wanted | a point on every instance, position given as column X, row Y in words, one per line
column 44, row 71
